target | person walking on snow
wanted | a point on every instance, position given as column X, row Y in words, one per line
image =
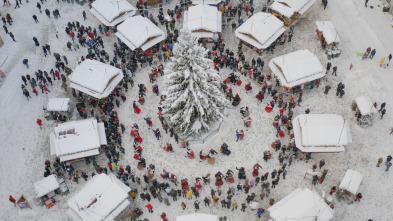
column 372, row 53
column 388, row 165
column 39, row 122
column 383, row 113
column 148, row 121
column 365, row 4
column 157, row 133
column 149, row 208
column 380, row 160
column 12, row 36
column 239, row 135
column 382, row 106
column 84, row 15
column 12, row 200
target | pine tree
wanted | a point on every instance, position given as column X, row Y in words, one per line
column 194, row 101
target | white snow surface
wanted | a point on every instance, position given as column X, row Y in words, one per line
column 365, row 105
column 197, row 217
column 139, row 32
column 203, row 17
column 329, row 31
column 301, row 205
column 99, row 198
column 351, row 181
column 58, row 104
column 46, row 185
column 206, row 2
column 261, row 30
column 297, row 68
column 112, row 12
column 95, row 78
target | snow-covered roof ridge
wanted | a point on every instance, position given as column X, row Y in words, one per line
column 46, row 185
column 289, row 7
column 351, row 181
column 112, row 12
column 365, row 105
column 260, row 30
column 102, row 198
column 203, row 17
column 58, row 104
column 329, row 31
column 138, row 31
column 302, row 205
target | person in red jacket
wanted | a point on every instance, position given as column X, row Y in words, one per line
column 163, row 216
column 39, row 122
column 45, row 88
column 12, row 200
column 35, row 92
column 150, row 208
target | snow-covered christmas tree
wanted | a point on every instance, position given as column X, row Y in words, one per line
column 194, row 101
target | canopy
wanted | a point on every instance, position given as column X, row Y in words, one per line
column 351, row 181
column 365, row 106
column 329, row 31
column 46, row 185
column 139, row 32
column 288, row 8
column 261, row 30
column 301, row 205
column 297, row 68
column 112, row 12
column 58, row 104
column 197, row 217
column 203, row 19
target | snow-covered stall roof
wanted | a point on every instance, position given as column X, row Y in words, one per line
column 112, row 12
column 202, row 20
column 206, row 2
column 77, row 139
column 321, row 133
column 365, row 106
column 46, row 185
column 139, row 32
column 261, row 30
column 197, row 217
column 329, row 31
column 58, row 104
column 351, row 181
column 288, row 8
column 297, row 68
column 95, row 78
column 102, row 198
column 301, row 205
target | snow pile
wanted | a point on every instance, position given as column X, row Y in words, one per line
column 95, row 78
column 261, row 30
column 351, row 181
column 297, row 68
column 139, row 32
column 288, row 8
column 321, row 132
column 197, row 217
column 203, row 21
column 46, row 185
column 301, row 205
column 112, row 12
column 77, row 139
column 365, row 105
column 102, row 198
column 206, row 2
column 329, row 31
column 58, row 104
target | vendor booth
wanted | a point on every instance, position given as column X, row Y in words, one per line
column 364, row 110
column 328, row 38
column 47, row 190
column 56, row 107
column 112, row 12
column 301, row 204
column 321, row 133
column 197, row 217
column 349, row 186
column 204, row 21
column 289, row 11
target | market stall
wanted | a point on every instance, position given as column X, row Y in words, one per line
column 364, row 110
column 112, row 12
column 47, row 190
column 204, row 21
column 328, row 38
column 349, row 186
column 56, row 107
column 289, row 11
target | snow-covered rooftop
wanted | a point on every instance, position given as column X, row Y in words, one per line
column 321, row 133
column 206, row 2
column 139, row 32
column 197, row 217
column 288, row 8
column 351, row 181
column 202, row 19
column 261, row 30
column 102, row 198
column 112, row 12
column 95, row 78
column 297, row 68
column 58, row 104
column 46, row 185
column 365, row 105
column 329, row 31
column 77, row 139
column 301, row 205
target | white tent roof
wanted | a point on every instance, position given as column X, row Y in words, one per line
column 95, row 78
column 112, row 12
column 77, row 139
column 365, row 106
column 329, row 31
column 202, row 19
column 288, row 7
column 321, row 132
column 139, row 32
column 197, row 217
column 206, row 2
column 102, row 198
column 301, row 205
column 261, row 30
column 58, row 104
column 297, row 68
column 46, row 185
column 351, row 181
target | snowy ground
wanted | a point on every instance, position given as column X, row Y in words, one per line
column 25, row 147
